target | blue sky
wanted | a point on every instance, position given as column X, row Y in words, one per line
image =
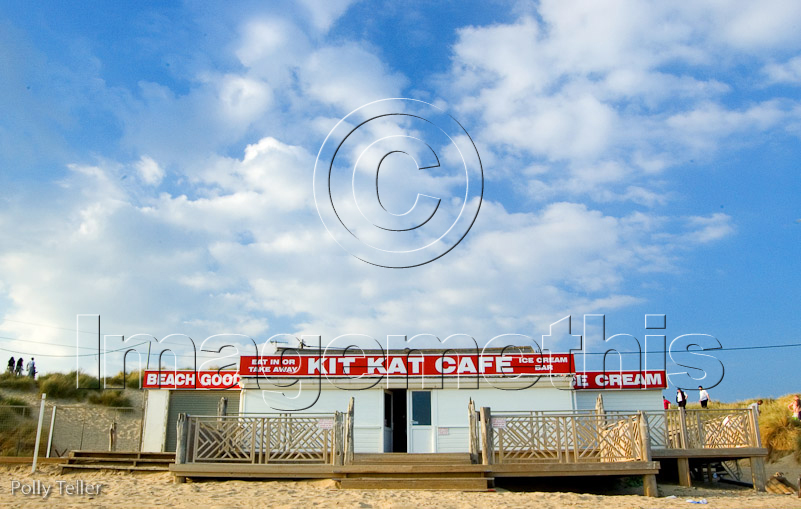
column 639, row 158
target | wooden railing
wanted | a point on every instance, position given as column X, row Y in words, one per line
column 691, row 429
column 703, row 428
column 278, row 438
column 266, row 438
column 566, row 437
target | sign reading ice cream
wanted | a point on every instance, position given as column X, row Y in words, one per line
column 620, row 380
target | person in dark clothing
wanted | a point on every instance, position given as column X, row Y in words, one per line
column 11, row 364
column 18, row 371
column 681, row 398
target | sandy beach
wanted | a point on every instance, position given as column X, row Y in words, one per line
column 158, row 490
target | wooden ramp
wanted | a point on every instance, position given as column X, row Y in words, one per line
column 122, row 461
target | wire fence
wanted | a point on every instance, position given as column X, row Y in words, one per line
column 68, row 428
column 18, row 429
column 82, row 428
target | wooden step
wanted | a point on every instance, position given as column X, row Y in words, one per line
column 100, row 459
column 409, row 459
column 118, row 461
column 166, row 456
column 418, row 469
column 417, row 483
column 123, row 468
column 395, row 474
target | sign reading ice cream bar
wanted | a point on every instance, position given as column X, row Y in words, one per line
column 406, row 365
column 620, row 380
column 188, row 379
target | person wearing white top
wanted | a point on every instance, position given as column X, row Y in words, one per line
column 681, row 398
column 703, row 396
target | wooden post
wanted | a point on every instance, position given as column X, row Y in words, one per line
column 487, row 452
column 684, row 472
column 683, row 438
column 112, row 436
column 180, row 448
column 758, row 472
column 339, row 439
column 222, row 407
column 649, row 486
column 700, row 427
column 754, row 420
column 349, row 434
column 471, row 419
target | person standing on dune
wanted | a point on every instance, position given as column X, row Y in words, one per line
column 703, row 397
column 795, row 407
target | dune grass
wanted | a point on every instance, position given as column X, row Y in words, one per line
column 17, row 383
column 781, row 432
column 109, row 398
column 131, row 380
column 67, row 385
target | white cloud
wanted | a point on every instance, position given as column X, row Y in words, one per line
column 637, row 87
column 711, row 228
column 754, row 26
column 325, row 12
column 149, row 171
column 788, row 72
column 585, row 107
column 348, row 76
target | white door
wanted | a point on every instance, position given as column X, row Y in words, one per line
column 421, row 437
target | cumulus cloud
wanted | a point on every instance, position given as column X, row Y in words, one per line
column 580, row 111
column 585, row 88
column 787, row 72
column 149, row 171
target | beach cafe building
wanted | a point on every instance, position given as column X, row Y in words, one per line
column 404, row 402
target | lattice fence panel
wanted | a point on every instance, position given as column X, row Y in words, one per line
column 281, row 438
column 576, row 438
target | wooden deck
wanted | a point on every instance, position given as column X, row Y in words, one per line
column 726, row 453
column 412, row 471
column 512, row 444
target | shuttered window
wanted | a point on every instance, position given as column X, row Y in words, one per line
column 195, row 402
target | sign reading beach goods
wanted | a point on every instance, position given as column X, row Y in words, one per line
column 186, row 379
column 351, row 366
column 620, row 380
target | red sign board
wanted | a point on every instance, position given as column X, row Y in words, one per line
column 188, row 379
column 620, row 380
column 349, row 366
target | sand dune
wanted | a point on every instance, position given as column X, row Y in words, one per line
column 157, row 490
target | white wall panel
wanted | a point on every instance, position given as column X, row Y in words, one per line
column 621, row 400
